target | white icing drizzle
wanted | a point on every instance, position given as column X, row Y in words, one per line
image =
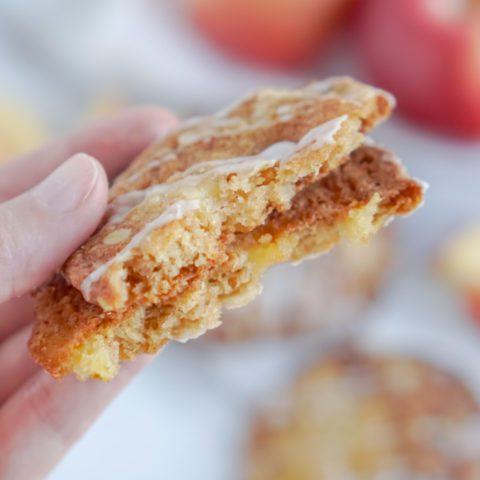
column 324, row 86
column 169, row 157
column 223, row 117
column 147, row 167
column 322, row 134
column 201, row 128
column 192, row 176
column 193, row 132
column 123, row 204
column 281, row 150
column 285, row 112
column 193, row 121
column 201, row 170
column 276, row 153
column 189, row 136
column 227, row 111
column 173, row 212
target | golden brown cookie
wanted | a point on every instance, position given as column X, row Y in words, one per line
column 358, row 417
column 174, row 210
column 198, row 218
column 352, row 202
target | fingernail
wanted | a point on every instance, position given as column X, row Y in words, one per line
column 69, row 185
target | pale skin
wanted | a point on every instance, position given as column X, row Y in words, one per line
column 51, row 201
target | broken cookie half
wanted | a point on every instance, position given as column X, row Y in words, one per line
column 197, row 218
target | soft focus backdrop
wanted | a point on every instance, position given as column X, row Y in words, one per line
column 63, row 63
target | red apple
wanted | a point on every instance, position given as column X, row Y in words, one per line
column 273, row 32
column 427, row 52
column 473, row 305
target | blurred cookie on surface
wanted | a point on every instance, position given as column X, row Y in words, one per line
column 352, row 416
column 459, row 265
column 332, row 292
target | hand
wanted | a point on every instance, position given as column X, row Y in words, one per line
column 42, row 221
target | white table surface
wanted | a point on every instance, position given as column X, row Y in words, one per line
column 186, row 416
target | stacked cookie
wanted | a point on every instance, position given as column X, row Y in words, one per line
column 195, row 221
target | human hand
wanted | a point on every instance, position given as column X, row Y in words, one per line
column 44, row 217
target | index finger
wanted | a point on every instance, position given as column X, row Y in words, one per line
column 114, row 141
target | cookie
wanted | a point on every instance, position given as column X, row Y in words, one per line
column 359, row 417
column 172, row 213
column 329, row 294
column 197, row 219
column 351, row 202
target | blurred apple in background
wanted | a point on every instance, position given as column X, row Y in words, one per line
column 21, row 129
column 473, row 305
column 459, row 265
column 273, row 32
column 427, row 52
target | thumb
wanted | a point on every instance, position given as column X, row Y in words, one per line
column 42, row 227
